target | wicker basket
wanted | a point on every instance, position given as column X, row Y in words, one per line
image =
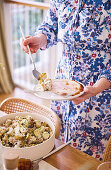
column 14, row 105
column 107, row 153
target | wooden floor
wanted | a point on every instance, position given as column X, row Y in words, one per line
column 18, row 92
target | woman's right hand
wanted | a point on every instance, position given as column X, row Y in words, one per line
column 34, row 42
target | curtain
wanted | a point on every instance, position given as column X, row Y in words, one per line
column 6, row 82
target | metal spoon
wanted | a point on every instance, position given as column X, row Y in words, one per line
column 35, row 72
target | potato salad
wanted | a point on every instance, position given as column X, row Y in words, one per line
column 24, row 132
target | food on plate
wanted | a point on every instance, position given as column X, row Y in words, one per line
column 44, row 83
column 24, row 132
column 47, row 84
column 66, row 87
column 42, row 76
column 59, row 86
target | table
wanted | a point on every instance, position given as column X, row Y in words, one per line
column 69, row 158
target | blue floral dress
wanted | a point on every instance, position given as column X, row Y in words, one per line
column 84, row 28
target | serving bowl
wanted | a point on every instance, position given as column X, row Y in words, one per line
column 32, row 152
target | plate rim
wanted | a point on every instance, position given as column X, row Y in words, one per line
column 61, row 97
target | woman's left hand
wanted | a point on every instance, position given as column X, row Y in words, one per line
column 89, row 91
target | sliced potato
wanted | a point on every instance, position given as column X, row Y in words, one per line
column 45, row 135
column 38, row 123
column 37, row 133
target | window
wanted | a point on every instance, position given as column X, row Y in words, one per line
column 29, row 18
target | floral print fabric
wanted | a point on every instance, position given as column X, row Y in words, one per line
column 84, row 28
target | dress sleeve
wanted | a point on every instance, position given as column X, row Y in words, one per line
column 49, row 26
column 106, row 73
column 105, row 26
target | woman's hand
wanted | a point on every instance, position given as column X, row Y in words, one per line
column 90, row 91
column 34, row 42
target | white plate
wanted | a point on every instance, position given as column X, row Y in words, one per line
column 49, row 95
column 52, row 96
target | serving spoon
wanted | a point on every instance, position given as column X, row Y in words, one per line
column 34, row 71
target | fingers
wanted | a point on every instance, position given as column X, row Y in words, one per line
column 33, row 50
column 86, row 89
column 80, row 99
column 29, row 40
column 77, row 100
column 87, row 94
column 24, row 47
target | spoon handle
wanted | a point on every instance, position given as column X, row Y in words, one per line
column 52, row 152
column 57, row 149
column 30, row 55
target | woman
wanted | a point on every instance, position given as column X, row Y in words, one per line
column 84, row 29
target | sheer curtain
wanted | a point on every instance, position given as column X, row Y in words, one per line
column 6, row 82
